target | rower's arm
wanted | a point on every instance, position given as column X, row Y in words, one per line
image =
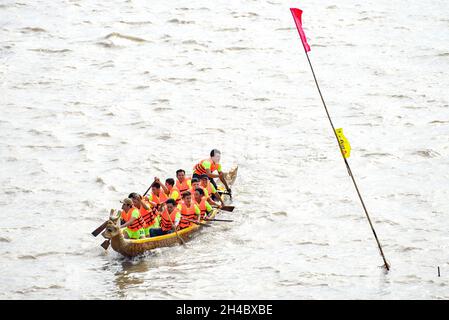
column 142, row 203
column 157, row 180
column 164, row 188
column 208, row 209
column 214, row 192
column 152, row 203
column 222, row 179
column 212, row 202
column 211, row 175
column 128, row 223
column 219, row 198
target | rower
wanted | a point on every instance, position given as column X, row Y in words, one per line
column 189, row 210
column 134, row 222
column 147, row 211
column 200, row 200
column 208, row 166
column 182, row 183
column 170, row 190
column 170, row 218
column 211, row 190
column 195, row 184
column 157, row 195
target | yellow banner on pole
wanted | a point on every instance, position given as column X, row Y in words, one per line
column 344, row 143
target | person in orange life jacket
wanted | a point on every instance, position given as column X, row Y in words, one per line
column 208, row 166
column 139, row 202
column 182, row 183
column 195, row 185
column 200, row 200
column 169, row 189
column 170, row 218
column 211, row 191
column 147, row 212
column 132, row 219
column 188, row 210
column 157, row 195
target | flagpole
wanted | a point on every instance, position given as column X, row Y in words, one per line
column 386, row 265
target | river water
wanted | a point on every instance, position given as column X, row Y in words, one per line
column 99, row 97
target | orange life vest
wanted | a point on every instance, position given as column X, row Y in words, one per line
column 201, row 205
column 138, row 223
column 159, row 199
column 192, row 191
column 148, row 216
column 208, row 188
column 187, row 212
column 206, row 192
column 166, row 223
column 182, row 186
column 199, row 169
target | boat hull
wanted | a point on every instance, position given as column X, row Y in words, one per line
column 140, row 246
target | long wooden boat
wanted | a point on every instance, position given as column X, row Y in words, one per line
column 132, row 248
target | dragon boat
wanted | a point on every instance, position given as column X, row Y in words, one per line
column 135, row 247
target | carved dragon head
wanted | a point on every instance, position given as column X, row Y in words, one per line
column 113, row 226
column 231, row 175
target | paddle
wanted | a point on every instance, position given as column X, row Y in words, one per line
column 176, row 231
column 106, row 244
column 225, row 193
column 97, row 231
column 196, row 222
column 224, row 220
column 227, row 208
column 148, row 190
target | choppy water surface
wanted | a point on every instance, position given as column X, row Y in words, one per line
column 97, row 98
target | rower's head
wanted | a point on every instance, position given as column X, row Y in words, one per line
column 156, row 188
column 135, row 198
column 169, row 183
column 187, row 197
column 195, row 183
column 171, row 204
column 215, row 155
column 203, row 180
column 180, row 175
column 127, row 203
column 199, row 194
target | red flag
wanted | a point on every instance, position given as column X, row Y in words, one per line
column 297, row 16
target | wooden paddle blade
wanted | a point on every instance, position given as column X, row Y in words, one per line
column 228, row 208
column 106, row 244
column 97, row 231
